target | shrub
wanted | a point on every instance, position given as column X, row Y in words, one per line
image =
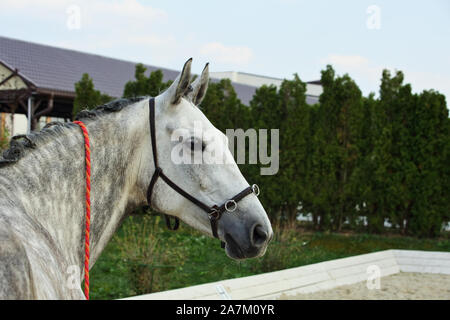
column 4, row 139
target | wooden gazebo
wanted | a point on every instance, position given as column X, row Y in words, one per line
column 18, row 94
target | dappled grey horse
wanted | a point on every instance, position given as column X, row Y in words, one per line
column 42, row 189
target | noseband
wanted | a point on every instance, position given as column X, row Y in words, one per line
column 215, row 211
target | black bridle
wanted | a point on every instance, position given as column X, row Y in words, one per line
column 215, row 211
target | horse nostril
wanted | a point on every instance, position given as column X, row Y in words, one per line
column 258, row 236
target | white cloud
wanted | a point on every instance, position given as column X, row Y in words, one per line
column 347, row 61
column 31, row 4
column 129, row 9
column 151, row 40
column 126, row 15
column 423, row 80
column 28, row 10
column 126, row 29
column 218, row 52
column 101, row 18
column 354, row 64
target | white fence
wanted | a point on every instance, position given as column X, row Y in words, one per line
column 312, row 278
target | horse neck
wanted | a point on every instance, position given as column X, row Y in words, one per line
column 121, row 166
column 120, row 154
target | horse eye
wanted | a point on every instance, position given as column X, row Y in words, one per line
column 195, row 144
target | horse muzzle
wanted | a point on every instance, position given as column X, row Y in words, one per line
column 249, row 244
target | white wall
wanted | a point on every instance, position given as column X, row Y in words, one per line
column 258, row 81
column 20, row 123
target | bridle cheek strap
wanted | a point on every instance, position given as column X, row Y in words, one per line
column 214, row 212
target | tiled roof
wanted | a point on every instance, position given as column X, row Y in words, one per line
column 59, row 69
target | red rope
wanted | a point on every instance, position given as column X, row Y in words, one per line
column 88, row 206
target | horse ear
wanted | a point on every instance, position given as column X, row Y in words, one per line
column 179, row 87
column 199, row 87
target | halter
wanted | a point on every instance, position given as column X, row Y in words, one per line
column 214, row 212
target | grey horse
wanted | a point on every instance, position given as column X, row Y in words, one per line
column 42, row 189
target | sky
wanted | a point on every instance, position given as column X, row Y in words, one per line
column 275, row 38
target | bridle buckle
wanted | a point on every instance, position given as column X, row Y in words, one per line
column 214, row 213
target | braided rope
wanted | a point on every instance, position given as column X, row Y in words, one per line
column 88, row 206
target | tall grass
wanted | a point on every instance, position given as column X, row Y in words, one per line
column 149, row 259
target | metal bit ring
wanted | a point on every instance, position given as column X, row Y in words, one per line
column 255, row 189
column 233, row 205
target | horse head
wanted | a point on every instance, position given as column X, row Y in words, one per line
column 194, row 156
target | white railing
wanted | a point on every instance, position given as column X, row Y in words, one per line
column 312, row 278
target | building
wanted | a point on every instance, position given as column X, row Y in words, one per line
column 313, row 88
column 37, row 82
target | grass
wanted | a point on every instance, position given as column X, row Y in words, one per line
column 145, row 257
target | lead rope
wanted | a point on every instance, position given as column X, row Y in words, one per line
column 88, row 206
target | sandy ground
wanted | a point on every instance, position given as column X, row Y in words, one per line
column 400, row 286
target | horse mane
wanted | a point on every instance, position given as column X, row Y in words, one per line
column 19, row 144
column 113, row 106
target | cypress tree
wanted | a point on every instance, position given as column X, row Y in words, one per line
column 430, row 180
column 337, row 149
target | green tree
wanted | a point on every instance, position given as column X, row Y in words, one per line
column 405, row 176
column 152, row 85
column 86, row 96
column 370, row 170
column 223, row 108
column 394, row 149
column 284, row 109
column 321, row 176
column 430, row 145
column 336, row 151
